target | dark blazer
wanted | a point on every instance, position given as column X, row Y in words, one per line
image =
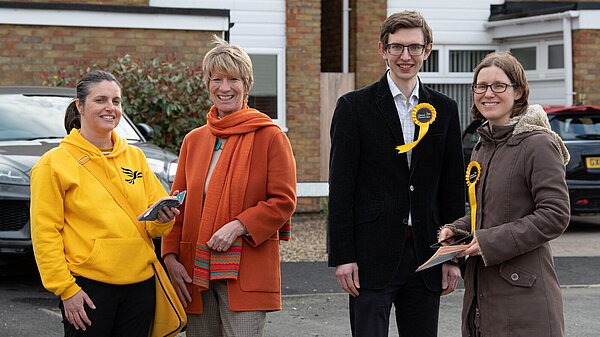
column 372, row 189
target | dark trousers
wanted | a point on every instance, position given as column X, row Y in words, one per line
column 121, row 310
column 417, row 308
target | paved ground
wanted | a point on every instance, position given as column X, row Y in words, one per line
column 314, row 306
column 313, row 303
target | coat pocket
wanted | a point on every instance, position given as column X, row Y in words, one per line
column 117, row 261
column 517, row 276
column 259, row 267
column 367, row 213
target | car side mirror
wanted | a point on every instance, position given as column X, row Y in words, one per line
column 146, row 130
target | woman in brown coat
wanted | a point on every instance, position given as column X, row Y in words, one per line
column 240, row 177
column 511, row 288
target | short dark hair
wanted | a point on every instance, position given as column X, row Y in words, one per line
column 72, row 116
column 405, row 19
column 516, row 74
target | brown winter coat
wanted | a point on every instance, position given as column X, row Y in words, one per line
column 523, row 203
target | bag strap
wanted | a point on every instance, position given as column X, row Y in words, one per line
column 86, row 161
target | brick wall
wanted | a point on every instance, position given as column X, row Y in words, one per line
column 303, row 68
column 369, row 65
column 28, row 51
column 586, row 66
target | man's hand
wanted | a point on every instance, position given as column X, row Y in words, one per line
column 179, row 277
column 450, row 276
column 75, row 311
column 347, row 277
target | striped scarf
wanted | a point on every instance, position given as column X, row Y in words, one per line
column 225, row 195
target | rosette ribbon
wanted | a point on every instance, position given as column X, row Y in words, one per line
column 473, row 175
column 422, row 115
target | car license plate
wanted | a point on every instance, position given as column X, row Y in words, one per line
column 592, row 162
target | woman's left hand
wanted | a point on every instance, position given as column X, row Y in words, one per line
column 226, row 235
column 167, row 214
column 471, row 251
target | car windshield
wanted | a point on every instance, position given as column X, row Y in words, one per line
column 42, row 117
column 576, row 126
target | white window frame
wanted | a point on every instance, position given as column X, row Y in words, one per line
column 557, row 72
column 541, row 72
column 280, row 54
column 444, row 76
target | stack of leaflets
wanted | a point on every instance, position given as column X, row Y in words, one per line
column 171, row 201
column 447, row 250
column 443, row 254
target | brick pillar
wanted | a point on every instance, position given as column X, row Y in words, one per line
column 303, row 69
column 586, row 77
column 368, row 16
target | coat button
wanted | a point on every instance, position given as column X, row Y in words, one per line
column 411, row 188
column 514, row 276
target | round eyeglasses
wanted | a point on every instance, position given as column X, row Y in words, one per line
column 496, row 87
column 396, row 49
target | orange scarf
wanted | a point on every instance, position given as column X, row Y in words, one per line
column 226, row 190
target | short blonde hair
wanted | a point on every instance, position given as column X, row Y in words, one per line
column 228, row 59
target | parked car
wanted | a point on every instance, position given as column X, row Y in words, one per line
column 31, row 123
column 579, row 128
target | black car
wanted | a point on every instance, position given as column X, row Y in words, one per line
column 579, row 128
column 31, row 124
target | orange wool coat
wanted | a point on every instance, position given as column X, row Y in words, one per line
column 269, row 201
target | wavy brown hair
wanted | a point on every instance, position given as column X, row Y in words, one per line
column 516, row 74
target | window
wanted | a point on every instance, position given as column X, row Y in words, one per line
column 464, row 61
column 556, row 56
column 431, row 65
column 463, row 96
column 263, row 95
column 527, row 56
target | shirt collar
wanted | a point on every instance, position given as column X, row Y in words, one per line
column 395, row 91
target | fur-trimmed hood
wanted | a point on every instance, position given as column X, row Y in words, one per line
column 536, row 119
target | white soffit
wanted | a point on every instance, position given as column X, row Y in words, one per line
column 80, row 18
column 533, row 25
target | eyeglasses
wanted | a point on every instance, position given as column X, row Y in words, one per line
column 496, row 87
column 396, row 49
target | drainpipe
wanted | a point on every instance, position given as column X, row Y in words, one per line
column 568, row 56
column 345, row 35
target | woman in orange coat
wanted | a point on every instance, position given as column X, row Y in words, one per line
column 239, row 173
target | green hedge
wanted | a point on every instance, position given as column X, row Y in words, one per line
column 163, row 92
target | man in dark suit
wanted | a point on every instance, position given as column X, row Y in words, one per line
column 385, row 208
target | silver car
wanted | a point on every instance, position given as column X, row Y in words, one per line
column 31, row 123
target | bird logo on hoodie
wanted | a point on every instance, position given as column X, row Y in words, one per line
column 133, row 175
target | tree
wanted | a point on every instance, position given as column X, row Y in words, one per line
column 163, row 92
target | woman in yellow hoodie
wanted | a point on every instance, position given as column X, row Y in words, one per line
column 88, row 250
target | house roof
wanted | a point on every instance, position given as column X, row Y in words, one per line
column 521, row 9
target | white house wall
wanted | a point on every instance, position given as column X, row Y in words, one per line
column 257, row 23
column 452, row 22
column 547, row 92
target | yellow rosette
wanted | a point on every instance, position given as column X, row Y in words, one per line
column 473, row 175
column 423, row 115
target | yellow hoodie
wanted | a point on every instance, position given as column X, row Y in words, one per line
column 77, row 228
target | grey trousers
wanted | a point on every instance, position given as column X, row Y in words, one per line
column 218, row 321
